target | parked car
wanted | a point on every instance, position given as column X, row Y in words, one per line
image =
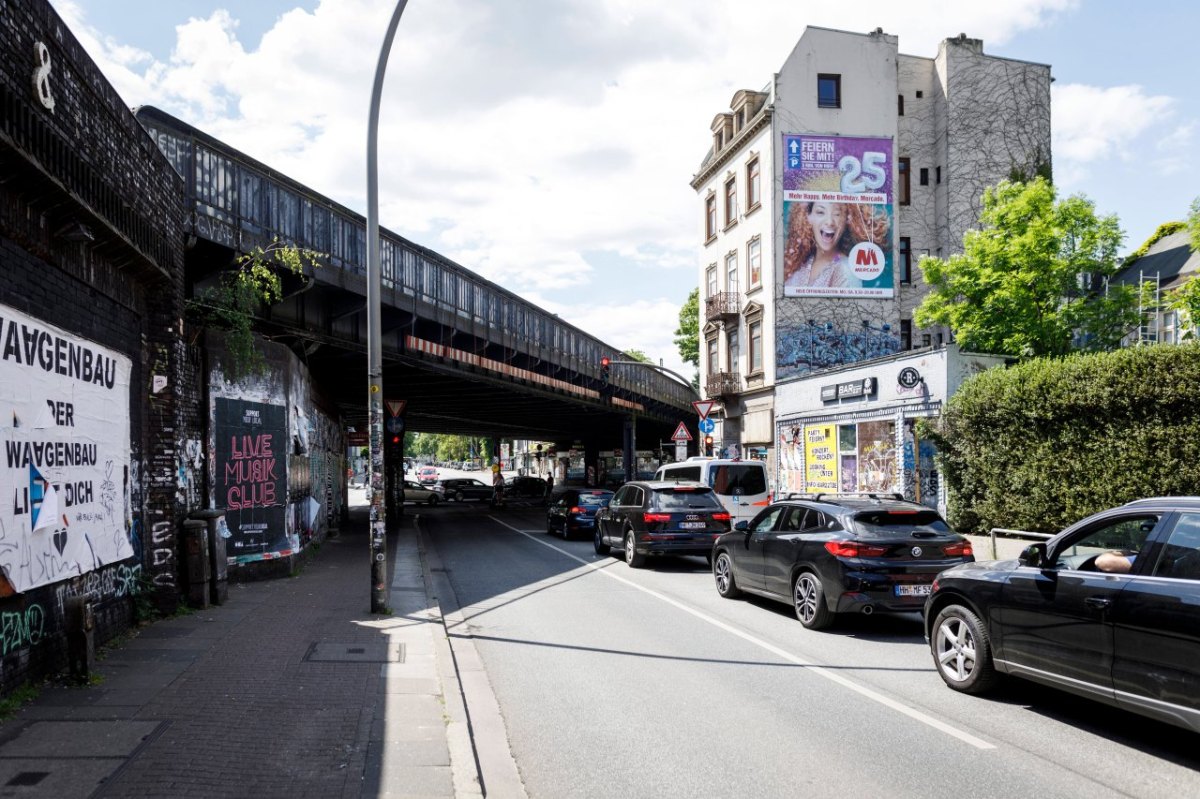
column 430, row 495
column 533, row 489
column 574, row 511
column 427, row 475
column 1108, row 609
column 652, row 518
column 471, row 466
column 464, row 488
column 828, row 554
column 740, row 485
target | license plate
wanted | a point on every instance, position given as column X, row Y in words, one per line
column 923, row 589
column 693, row 525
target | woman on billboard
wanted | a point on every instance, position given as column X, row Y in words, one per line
column 819, row 240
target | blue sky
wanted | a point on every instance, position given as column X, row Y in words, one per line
column 548, row 144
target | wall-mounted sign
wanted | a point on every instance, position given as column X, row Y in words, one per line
column 851, row 390
column 909, row 377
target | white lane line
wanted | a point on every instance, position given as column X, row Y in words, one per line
column 832, row 676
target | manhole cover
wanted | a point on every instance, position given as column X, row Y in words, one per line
column 334, row 652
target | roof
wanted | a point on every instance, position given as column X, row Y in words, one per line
column 1171, row 259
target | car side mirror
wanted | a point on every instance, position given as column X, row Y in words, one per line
column 1033, row 555
column 742, row 525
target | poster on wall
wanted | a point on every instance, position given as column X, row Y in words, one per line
column 877, row 456
column 250, row 471
column 64, row 421
column 820, row 457
column 791, row 459
column 838, row 216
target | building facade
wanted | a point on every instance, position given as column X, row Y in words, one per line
column 820, row 193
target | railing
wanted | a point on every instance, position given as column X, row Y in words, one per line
column 724, row 303
column 236, row 201
column 721, row 384
column 1017, row 534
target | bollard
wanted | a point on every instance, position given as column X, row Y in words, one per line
column 80, row 622
column 196, row 571
column 218, row 563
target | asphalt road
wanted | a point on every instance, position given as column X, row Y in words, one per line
column 631, row 683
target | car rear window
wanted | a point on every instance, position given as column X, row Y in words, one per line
column 684, row 498
column 900, row 522
column 595, row 500
column 738, row 479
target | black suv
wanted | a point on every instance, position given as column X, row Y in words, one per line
column 1109, row 609
column 659, row 517
column 827, row 554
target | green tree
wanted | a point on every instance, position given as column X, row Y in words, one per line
column 1032, row 279
column 1185, row 300
column 636, row 355
column 687, row 335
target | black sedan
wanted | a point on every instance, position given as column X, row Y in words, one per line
column 650, row 518
column 465, row 488
column 839, row 554
column 531, row 489
column 574, row 511
column 1108, row 609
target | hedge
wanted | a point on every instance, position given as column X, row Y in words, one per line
column 1044, row 443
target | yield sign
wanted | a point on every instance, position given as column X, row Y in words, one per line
column 681, row 433
column 395, row 407
column 703, row 407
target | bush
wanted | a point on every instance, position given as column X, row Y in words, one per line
column 1049, row 441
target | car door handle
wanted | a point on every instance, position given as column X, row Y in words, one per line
column 1097, row 603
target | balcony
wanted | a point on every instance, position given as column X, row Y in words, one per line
column 723, row 303
column 723, row 384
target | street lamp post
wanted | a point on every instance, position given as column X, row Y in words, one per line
column 378, row 532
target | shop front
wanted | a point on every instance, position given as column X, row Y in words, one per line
column 855, row 429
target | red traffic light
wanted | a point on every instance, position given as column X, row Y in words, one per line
column 708, row 441
column 605, row 361
column 395, row 439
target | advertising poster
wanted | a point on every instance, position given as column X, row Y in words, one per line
column 838, row 216
column 64, row 422
column 820, row 456
column 251, row 467
column 877, row 456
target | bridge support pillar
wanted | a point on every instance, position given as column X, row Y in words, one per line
column 629, row 448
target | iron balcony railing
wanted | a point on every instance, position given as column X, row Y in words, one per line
column 236, row 201
column 723, row 384
column 723, row 303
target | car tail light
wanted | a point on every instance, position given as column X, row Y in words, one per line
column 721, row 517
column 576, row 509
column 682, row 489
column 853, row 549
column 656, row 517
column 958, row 550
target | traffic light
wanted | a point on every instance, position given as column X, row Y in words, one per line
column 708, row 445
column 604, row 364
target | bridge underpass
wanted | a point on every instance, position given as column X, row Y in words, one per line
column 467, row 356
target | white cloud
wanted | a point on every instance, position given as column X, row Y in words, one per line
column 1093, row 123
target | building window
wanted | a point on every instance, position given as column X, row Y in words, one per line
column 754, row 261
column 902, row 193
column 900, row 102
column 905, row 259
column 755, row 336
column 829, row 91
column 713, row 366
column 938, row 173
column 732, row 351
column 710, row 218
column 753, row 186
column 730, row 201
column 926, row 340
column 731, row 272
column 924, row 176
column 739, row 121
column 920, row 95
column 906, row 334
column 711, row 277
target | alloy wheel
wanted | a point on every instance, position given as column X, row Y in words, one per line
column 806, row 597
column 721, row 573
column 955, row 649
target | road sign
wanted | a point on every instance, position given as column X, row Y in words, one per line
column 681, row 433
column 681, row 450
column 707, row 425
column 703, row 407
column 395, row 425
column 395, row 407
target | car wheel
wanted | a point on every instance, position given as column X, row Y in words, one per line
column 632, row 557
column 433, row 500
column 808, row 597
column 962, row 650
column 723, row 574
column 599, row 545
column 458, row 495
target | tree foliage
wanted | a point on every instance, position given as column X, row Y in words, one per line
column 1185, row 299
column 687, row 335
column 1032, row 280
column 636, row 355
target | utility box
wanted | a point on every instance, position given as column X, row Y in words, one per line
column 218, row 562
column 196, row 570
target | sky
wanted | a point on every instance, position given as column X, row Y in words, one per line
column 548, row 144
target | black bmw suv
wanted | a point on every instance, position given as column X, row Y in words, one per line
column 838, row 553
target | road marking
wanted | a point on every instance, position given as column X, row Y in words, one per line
column 832, row 676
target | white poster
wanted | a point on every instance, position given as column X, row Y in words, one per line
column 64, row 429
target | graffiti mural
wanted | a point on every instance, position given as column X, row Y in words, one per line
column 64, row 428
column 812, row 346
column 877, row 456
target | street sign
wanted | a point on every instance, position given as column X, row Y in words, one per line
column 395, row 425
column 681, row 433
column 707, row 425
column 703, row 407
column 680, row 450
column 395, row 407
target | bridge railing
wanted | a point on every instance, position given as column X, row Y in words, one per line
column 238, row 202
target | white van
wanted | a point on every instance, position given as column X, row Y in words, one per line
column 740, row 485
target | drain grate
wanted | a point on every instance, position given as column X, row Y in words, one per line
column 28, row 778
column 333, row 652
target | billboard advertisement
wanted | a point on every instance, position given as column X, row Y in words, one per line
column 838, row 216
column 251, row 462
column 820, row 458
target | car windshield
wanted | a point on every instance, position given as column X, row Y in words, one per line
column 594, row 500
column 891, row 523
column 685, row 499
column 738, row 479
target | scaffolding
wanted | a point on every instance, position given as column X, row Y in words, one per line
column 1150, row 328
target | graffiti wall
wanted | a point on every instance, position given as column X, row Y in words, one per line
column 877, row 456
column 64, row 427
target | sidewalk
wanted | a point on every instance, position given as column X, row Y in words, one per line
column 290, row 689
